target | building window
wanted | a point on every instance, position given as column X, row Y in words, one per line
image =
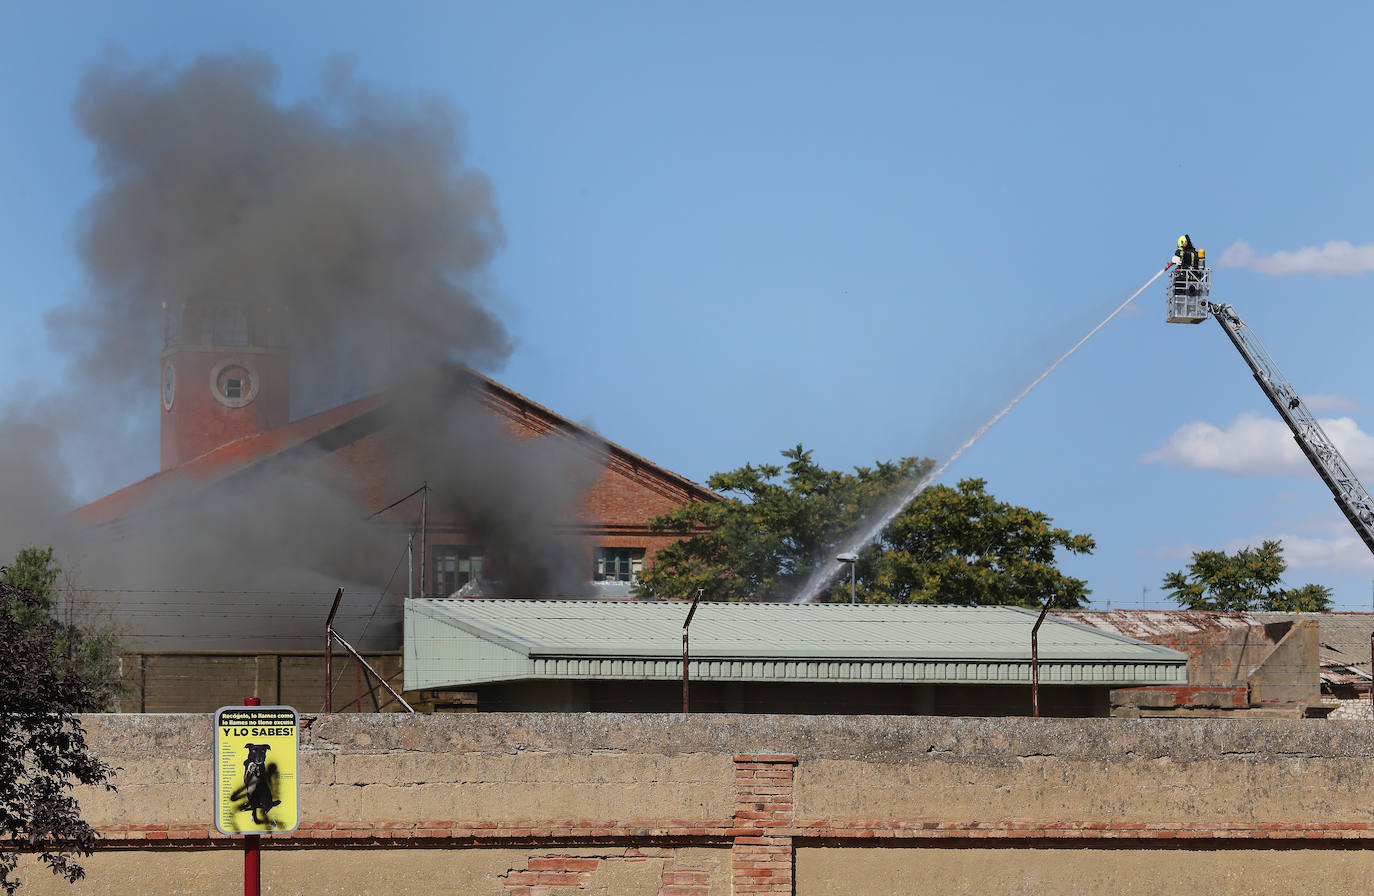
column 618, row 564
column 454, row 567
column 233, row 384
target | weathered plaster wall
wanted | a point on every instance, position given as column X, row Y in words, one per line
column 1173, row 772
column 529, row 804
column 1122, row 872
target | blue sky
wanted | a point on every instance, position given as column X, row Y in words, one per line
column 862, row 227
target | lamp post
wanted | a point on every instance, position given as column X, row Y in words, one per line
column 853, row 560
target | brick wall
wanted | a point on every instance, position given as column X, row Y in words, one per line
column 761, row 855
column 197, row 422
column 709, row 805
column 615, row 511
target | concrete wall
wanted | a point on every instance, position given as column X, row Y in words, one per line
column 1290, row 672
column 527, row 804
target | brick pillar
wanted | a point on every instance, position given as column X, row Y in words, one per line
column 761, row 857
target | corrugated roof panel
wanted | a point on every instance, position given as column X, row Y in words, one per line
column 827, row 642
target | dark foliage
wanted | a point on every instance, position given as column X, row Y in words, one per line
column 777, row 523
column 43, row 752
column 1249, row 579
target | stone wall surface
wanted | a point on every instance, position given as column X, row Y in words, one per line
column 550, row 804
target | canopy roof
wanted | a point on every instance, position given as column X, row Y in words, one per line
column 457, row 642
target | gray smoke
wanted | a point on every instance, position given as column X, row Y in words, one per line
column 35, row 486
column 525, row 496
column 349, row 212
column 351, row 217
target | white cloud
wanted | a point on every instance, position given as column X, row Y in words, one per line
column 1342, row 554
column 1255, row 445
column 1335, row 257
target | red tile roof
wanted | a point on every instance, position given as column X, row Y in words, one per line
column 216, row 465
column 226, row 459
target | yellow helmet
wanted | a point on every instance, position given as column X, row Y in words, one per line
column 1183, row 241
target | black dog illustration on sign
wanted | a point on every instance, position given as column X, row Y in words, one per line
column 258, row 778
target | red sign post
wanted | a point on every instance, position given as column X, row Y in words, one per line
column 252, row 846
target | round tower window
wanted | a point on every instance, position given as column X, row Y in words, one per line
column 233, row 384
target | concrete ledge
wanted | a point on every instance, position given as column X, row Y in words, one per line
column 547, row 832
column 902, row 740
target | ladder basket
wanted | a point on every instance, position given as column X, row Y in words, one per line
column 1187, row 292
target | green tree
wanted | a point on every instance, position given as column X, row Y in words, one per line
column 962, row 546
column 34, row 572
column 774, row 525
column 43, row 750
column 88, row 652
column 1249, row 579
column 950, row 545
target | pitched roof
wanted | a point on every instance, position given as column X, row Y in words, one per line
column 329, row 430
column 1146, row 624
column 228, row 459
column 455, row 642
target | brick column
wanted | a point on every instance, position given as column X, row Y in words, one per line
column 761, row 857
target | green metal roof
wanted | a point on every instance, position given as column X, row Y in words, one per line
column 457, row 642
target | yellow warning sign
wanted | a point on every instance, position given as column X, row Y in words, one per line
column 256, row 788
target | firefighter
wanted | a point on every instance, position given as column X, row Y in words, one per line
column 1187, row 254
column 1187, row 258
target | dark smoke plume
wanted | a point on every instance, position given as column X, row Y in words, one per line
column 349, row 213
column 350, row 217
column 523, row 495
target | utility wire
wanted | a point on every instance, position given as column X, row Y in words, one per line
column 400, row 501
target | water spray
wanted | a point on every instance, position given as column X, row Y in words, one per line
column 825, row 575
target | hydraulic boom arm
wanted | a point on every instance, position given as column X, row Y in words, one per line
column 1349, row 493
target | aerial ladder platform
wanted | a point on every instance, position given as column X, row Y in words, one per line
column 1189, row 303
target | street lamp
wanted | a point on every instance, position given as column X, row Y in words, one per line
column 852, row 559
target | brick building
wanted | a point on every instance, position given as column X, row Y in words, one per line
column 555, row 509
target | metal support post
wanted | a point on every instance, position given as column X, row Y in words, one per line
column 685, row 655
column 1035, row 659
column 329, row 653
column 252, row 845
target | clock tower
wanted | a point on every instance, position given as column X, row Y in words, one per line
column 225, row 375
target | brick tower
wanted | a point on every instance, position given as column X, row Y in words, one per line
column 225, row 375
